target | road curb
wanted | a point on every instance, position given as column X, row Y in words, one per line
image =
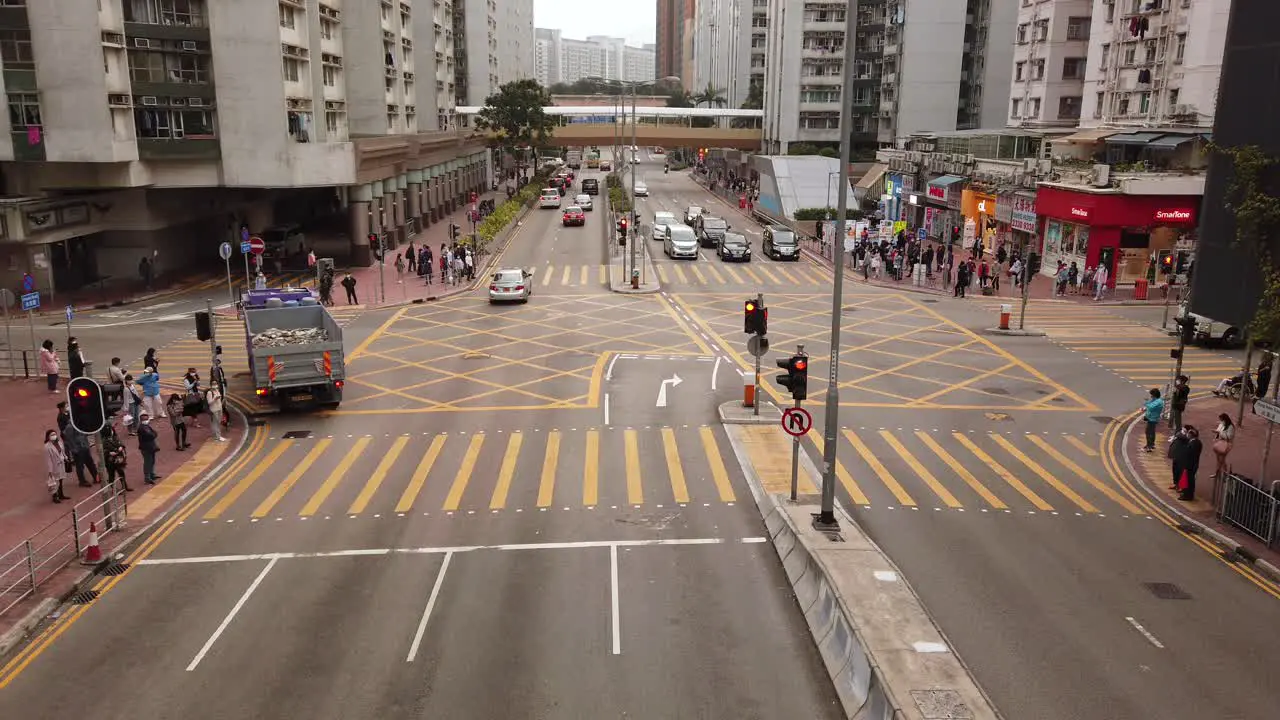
column 1012, row 332
column 862, row 680
column 1231, row 549
column 733, row 413
column 22, row 630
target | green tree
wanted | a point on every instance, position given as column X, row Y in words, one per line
column 1253, row 199
column 679, row 98
column 754, row 101
column 515, row 116
column 713, row 97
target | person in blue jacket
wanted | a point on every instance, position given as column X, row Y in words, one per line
column 151, row 402
column 1152, row 410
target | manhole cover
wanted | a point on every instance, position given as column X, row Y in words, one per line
column 941, row 705
column 1102, row 419
column 929, row 300
column 297, row 434
column 995, row 390
column 115, row 568
column 84, row 598
column 1166, row 591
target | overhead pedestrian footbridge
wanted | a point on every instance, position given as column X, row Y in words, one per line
column 664, row 126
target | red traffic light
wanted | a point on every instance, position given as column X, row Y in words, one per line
column 801, row 365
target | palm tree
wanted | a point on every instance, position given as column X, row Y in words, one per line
column 713, row 97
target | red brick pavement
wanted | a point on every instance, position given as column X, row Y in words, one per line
column 27, row 409
column 1245, row 460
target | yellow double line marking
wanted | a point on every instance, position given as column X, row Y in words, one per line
column 104, row 585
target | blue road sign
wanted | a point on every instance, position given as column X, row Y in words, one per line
column 70, row 313
column 920, row 234
column 244, row 248
column 31, row 301
column 244, row 233
column 28, row 283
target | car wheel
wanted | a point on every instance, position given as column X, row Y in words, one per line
column 1231, row 338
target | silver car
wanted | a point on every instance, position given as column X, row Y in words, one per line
column 661, row 220
column 583, row 201
column 511, row 284
column 681, row 242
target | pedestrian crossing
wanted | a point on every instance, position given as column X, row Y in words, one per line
column 300, row 476
column 187, row 352
column 1139, row 353
column 305, row 278
column 470, row 472
column 710, row 274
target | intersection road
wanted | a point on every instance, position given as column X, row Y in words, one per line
column 466, row 537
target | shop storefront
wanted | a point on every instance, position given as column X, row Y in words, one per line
column 979, row 211
column 1124, row 232
column 942, row 197
column 1016, row 220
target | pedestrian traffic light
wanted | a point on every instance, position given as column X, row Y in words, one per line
column 1033, row 263
column 755, row 318
column 622, row 226
column 454, row 231
column 112, row 398
column 1187, row 329
column 84, row 401
column 955, row 233
column 204, row 326
column 1166, row 262
column 1181, row 262
column 375, row 245
column 796, row 377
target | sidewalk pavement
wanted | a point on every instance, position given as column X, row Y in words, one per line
column 27, row 409
column 1245, row 459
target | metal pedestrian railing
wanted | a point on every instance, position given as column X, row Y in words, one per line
column 32, row 562
column 1250, row 507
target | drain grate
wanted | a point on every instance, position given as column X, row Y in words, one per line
column 941, row 705
column 115, row 568
column 1167, row 591
column 929, row 300
column 84, row 598
column 995, row 390
column 1103, row 419
column 297, row 435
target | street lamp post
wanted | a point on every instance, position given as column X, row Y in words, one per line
column 826, row 517
column 631, row 222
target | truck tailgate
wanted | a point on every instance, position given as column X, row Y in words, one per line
column 298, row 365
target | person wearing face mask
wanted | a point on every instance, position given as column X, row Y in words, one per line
column 56, row 466
column 148, row 446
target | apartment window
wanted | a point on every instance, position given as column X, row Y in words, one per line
column 1019, row 69
column 292, row 69
column 1130, row 53
column 1173, row 97
column 24, row 111
column 820, row 94
column 326, row 29
column 186, row 13
column 1042, row 30
column 1078, row 28
column 287, row 19
column 404, row 21
column 392, row 119
column 1069, row 108
column 331, row 75
column 1149, row 51
column 1035, row 107
column 1099, row 99
column 15, row 49
column 1111, row 10
column 1144, row 102
column 820, row 121
column 1135, row 6
column 159, row 124
column 1014, row 105
column 1037, row 70
column 1022, row 34
column 1106, row 54
column 1180, row 48
column 332, row 123
column 158, row 67
column 1073, row 69
column 1122, row 106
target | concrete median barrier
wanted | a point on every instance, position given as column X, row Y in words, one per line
column 884, row 654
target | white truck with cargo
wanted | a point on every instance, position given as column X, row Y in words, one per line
column 295, row 349
column 573, row 159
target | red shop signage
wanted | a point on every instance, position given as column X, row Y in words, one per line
column 937, row 193
column 1178, row 215
column 1079, row 212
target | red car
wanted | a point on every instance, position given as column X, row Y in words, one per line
column 573, row 215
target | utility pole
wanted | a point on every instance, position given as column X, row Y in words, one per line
column 795, row 439
column 631, row 222
column 1026, row 271
column 755, row 406
column 826, row 518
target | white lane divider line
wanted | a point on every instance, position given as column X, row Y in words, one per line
column 226, row 621
column 613, row 597
column 1145, row 633
column 606, row 409
column 714, row 371
column 431, row 603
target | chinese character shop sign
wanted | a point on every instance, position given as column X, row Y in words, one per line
column 1023, row 216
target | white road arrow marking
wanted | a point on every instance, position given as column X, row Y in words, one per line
column 673, row 381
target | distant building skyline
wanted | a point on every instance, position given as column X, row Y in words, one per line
column 558, row 59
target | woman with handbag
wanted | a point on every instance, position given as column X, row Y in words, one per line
column 1188, row 461
column 1223, row 438
column 193, row 403
column 55, row 465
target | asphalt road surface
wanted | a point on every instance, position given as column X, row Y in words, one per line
column 982, row 466
column 517, row 512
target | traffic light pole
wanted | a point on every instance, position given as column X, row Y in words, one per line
column 382, row 268
column 826, row 518
column 1026, row 291
column 755, row 394
column 795, row 440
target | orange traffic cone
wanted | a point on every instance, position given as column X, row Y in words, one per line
column 92, row 553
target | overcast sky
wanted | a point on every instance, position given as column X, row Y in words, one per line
column 635, row 20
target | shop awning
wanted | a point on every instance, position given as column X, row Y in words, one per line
column 1091, row 135
column 874, row 177
column 1138, row 138
column 946, row 180
column 1169, row 142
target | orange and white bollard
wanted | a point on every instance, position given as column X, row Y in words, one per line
column 1005, row 311
column 92, row 552
column 748, row 391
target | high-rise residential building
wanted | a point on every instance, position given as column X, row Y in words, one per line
column 675, row 29
column 722, row 45
column 1154, row 62
column 493, row 45
column 565, row 60
column 1050, row 54
column 168, row 126
column 919, row 66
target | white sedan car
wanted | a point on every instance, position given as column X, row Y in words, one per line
column 550, row 198
column 511, row 285
column 661, row 220
column 642, row 190
column 583, row 201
